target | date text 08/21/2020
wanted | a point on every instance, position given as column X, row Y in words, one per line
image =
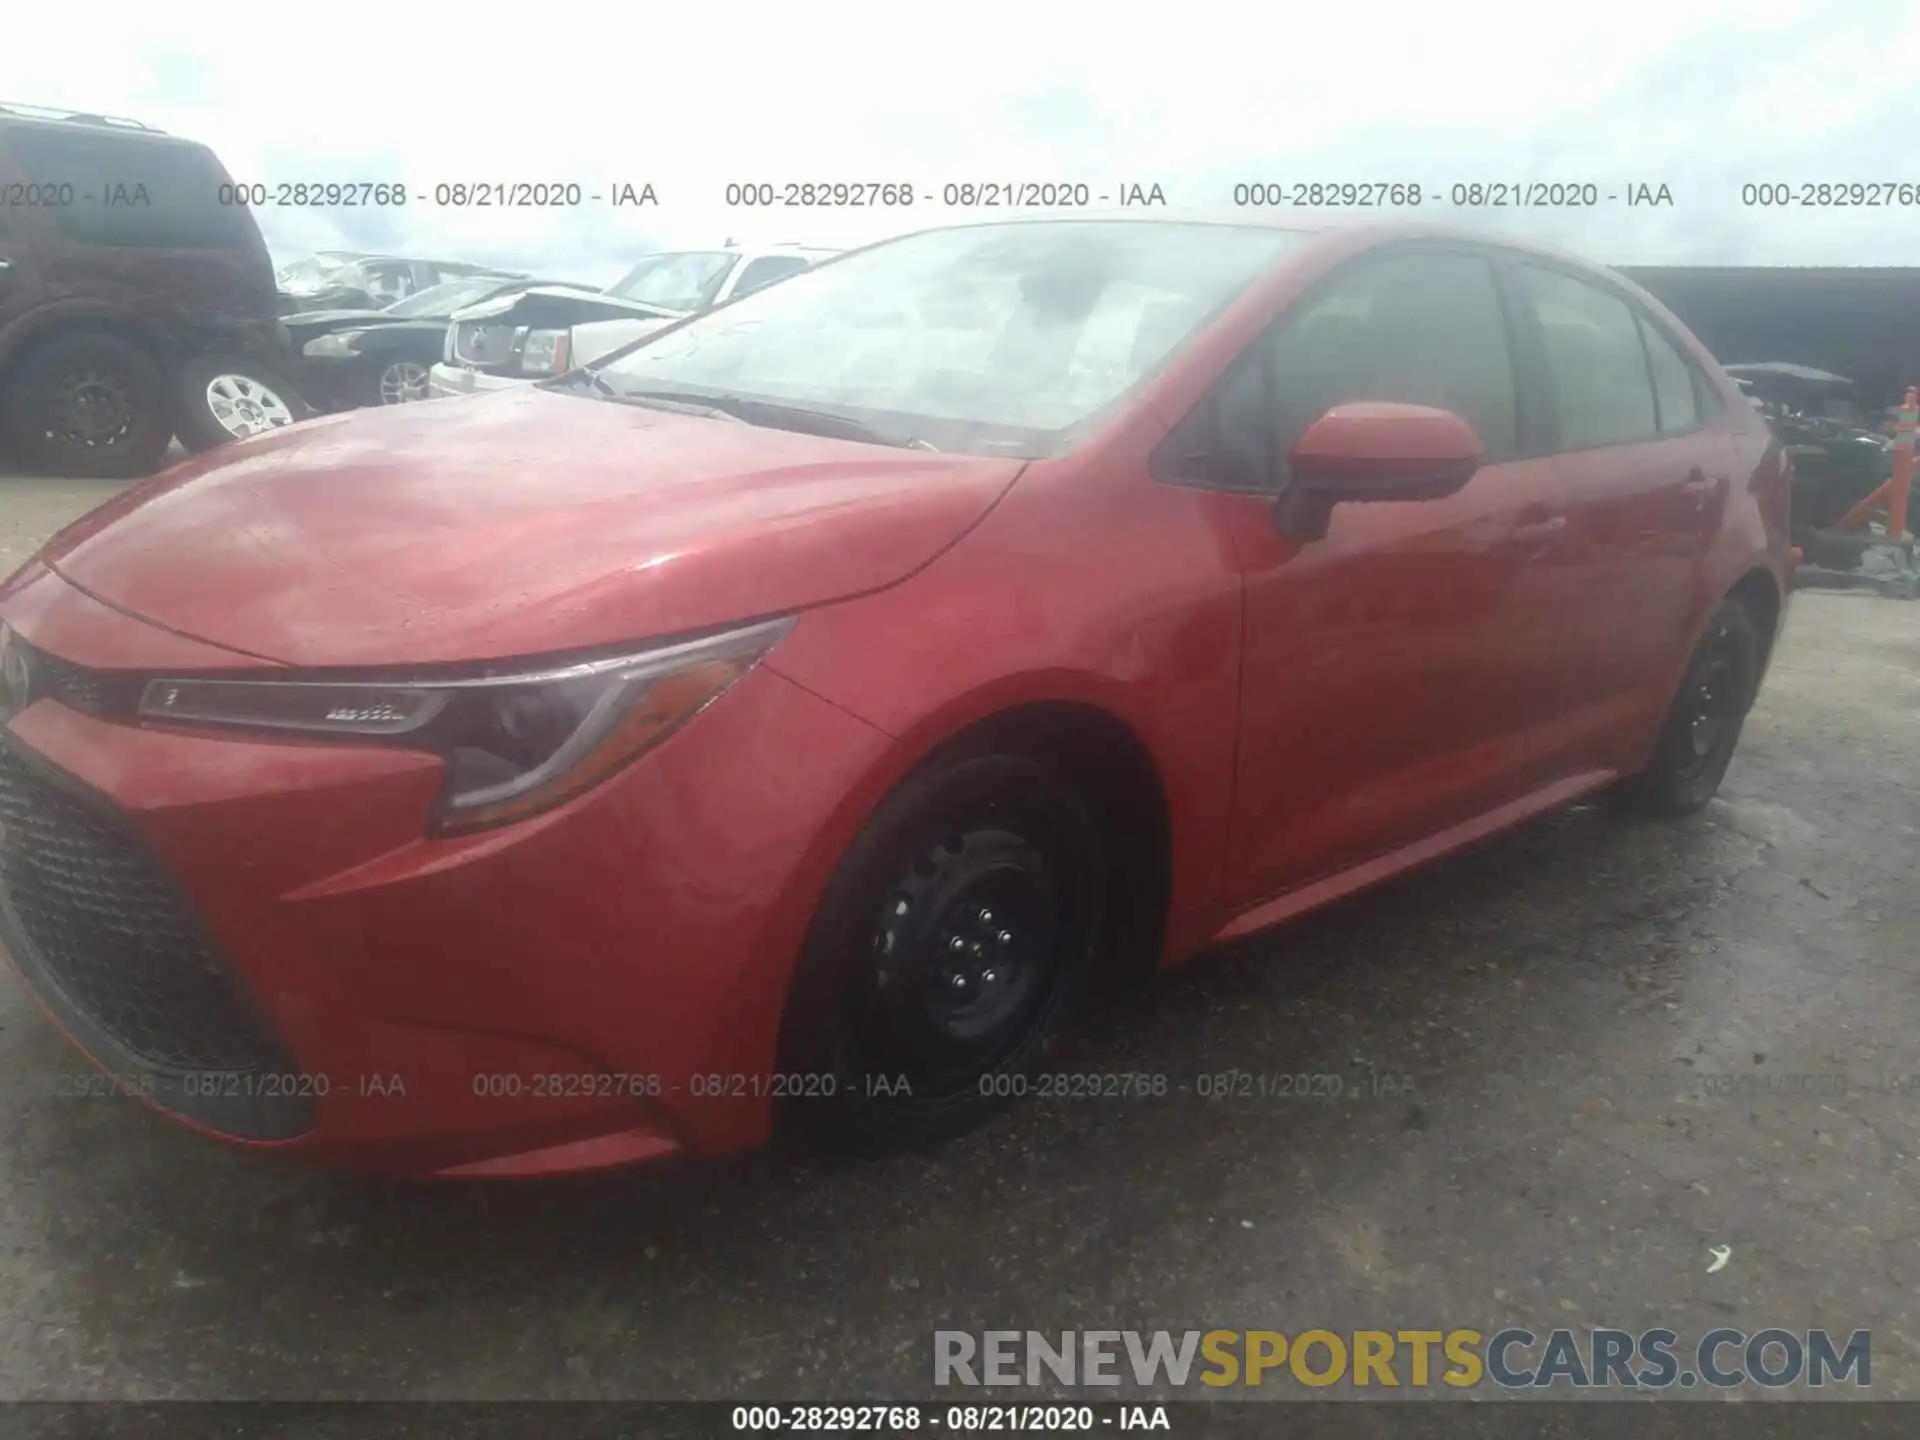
column 1067, row 194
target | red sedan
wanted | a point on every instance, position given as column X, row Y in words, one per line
column 785, row 718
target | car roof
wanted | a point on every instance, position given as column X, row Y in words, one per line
column 1331, row 227
column 463, row 269
column 16, row 112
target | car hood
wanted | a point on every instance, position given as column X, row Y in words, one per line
column 312, row 324
column 332, row 317
column 557, row 306
column 397, row 331
column 513, row 525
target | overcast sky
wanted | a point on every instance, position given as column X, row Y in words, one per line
column 1700, row 97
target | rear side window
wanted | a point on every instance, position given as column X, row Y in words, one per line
column 133, row 191
column 1674, row 388
column 1603, row 394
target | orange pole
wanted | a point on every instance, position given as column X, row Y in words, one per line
column 1895, row 492
column 1903, row 464
column 1857, row 517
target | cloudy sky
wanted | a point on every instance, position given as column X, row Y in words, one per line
column 1697, row 95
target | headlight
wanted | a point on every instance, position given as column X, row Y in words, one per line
column 334, row 345
column 544, row 352
column 515, row 744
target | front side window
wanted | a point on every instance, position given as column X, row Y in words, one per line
column 1000, row 339
column 1417, row 328
column 388, row 281
column 1603, row 394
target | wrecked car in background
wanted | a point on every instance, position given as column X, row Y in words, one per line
column 540, row 333
column 350, row 358
column 352, row 280
column 1838, row 459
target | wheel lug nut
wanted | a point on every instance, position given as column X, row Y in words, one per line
column 959, row 982
column 986, row 916
column 956, row 944
column 1005, row 937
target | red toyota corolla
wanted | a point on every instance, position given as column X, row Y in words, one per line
column 788, row 716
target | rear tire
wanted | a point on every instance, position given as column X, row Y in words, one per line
column 225, row 397
column 399, row 381
column 958, row 929
column 1703, row 723
column 88, row 405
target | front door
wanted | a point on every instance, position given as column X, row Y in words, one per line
column 1399, row 675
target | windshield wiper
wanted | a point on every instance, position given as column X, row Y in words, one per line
column 572, row 378
column 664, row 400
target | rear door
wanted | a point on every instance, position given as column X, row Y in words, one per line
column 1648, row 479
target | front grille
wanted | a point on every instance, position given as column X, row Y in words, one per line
column 483, row 347
column 110, row 931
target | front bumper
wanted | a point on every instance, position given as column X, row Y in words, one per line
column 594, row 986
column 447, row 380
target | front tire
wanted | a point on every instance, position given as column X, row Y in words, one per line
column 958, row 929
column 1703, row 723
column 227, row 397
column 88, row 405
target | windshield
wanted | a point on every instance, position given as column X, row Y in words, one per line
column 448, row 296
column 999, row 339
column 682, row 281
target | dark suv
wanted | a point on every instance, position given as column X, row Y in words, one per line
column 136, row 302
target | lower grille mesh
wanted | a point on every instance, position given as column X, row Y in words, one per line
column 111, row 930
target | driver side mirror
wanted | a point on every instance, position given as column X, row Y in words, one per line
column 1373, row 451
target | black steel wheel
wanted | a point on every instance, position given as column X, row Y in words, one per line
column 959, row 927
column 88, row 404
column 1703, row 723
